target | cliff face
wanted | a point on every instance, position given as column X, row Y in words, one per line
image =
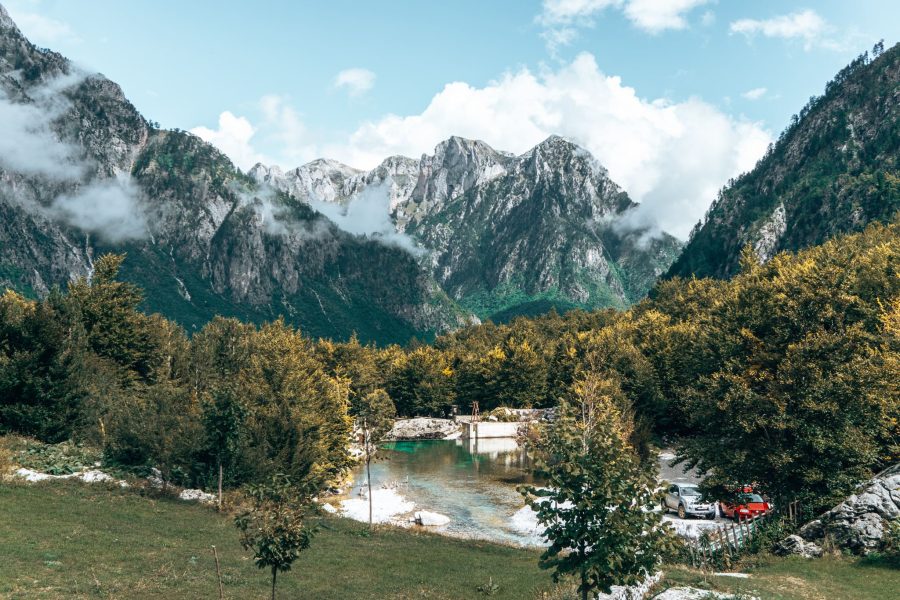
column 504, row 234
column 834, row 170
column 466, row 231
column 202, row 239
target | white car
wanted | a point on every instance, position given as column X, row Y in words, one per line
column 686, row 500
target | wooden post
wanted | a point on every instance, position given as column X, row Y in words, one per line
column 723, row 545
column 218, row 574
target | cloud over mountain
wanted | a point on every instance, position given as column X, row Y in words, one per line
column 671, row 156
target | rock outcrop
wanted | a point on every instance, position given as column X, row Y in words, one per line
column 858, row 523
column 424, row 428
column 796, row 545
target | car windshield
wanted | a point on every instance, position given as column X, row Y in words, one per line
column 752, row 498
column 690, row 491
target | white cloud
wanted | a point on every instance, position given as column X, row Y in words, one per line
column 30, row 147
column 356, row 81
column 43, row 31
column 110, row 208
column 755, row 93
column 655, row 16
column 233, row 138
column 558, row 37
column 561, row 18
column 281, row 127
column 671, row 156
column 28, row 144
column 805, row 25
column 368, row 214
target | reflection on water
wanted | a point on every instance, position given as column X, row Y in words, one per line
column 473, row 485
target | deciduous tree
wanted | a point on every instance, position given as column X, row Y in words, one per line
column 598, row 500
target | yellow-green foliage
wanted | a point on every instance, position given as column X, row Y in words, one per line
column 785, row 375
column 89, row 365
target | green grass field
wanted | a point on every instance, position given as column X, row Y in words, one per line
column 796, row 578
column 73, row 540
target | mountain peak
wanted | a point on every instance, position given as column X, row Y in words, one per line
column 456, row 146
column 328, row 164
column 559, row 154
column 557, row 144
column 6, row 21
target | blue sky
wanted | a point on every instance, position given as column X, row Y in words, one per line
column 637, row 82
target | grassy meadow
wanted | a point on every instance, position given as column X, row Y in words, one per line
column 67, row 539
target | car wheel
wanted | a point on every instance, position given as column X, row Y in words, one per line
column 737, row 517
column 711, row 515
column 681, row 512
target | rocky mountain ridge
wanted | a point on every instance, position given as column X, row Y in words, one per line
column 504, row 233
column 469, row 230
column 201, row 237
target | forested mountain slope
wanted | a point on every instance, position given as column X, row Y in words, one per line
column 504, row 235
column 833, row 170
column 86, row 174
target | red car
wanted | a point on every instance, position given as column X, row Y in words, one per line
column 751, row 504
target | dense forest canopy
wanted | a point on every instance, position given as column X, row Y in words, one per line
column 786, row 374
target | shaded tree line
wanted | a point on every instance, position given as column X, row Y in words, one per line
column 247, row 402
column 786, row 375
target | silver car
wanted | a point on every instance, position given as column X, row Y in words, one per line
column 686, row 499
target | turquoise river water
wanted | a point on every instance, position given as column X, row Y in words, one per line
column 475, row 486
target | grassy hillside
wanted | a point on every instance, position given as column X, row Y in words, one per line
column 71, row 540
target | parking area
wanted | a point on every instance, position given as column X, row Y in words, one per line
column 690, row 527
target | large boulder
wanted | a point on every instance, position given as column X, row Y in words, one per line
column 858, row 523
column 423, row 428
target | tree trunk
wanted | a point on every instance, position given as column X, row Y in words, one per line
column 220, row 486
column 584, row 588
column 369, row 480
column 274, row 575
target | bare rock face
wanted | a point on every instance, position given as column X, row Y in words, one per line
column 500, row 230
column 796, row 545
column 858, row 523
column 769, row 234
column 423, row 428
